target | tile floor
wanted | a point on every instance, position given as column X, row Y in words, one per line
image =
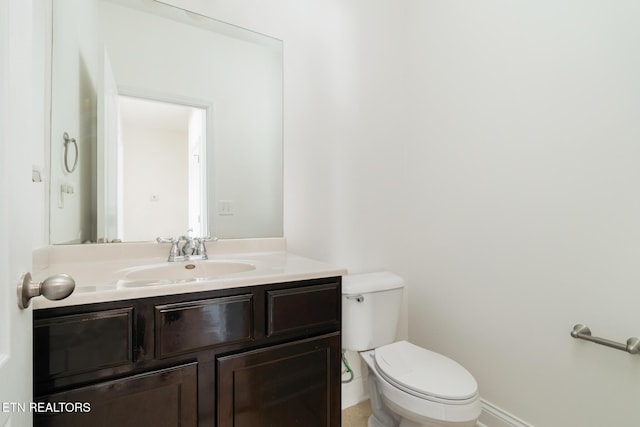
column 356, row 416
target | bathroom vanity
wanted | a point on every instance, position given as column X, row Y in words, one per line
column 257, row 348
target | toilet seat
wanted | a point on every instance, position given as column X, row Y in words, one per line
column 425, row 374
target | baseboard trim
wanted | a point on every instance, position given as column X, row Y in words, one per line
column 353, row 392
column 493, row 416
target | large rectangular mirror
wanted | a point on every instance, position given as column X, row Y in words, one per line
column 162, row 121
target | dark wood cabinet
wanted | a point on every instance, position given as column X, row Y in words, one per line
column 163, row 398
column 196, row 325
column 284, row 385
column 255, row 356
column 84, row 342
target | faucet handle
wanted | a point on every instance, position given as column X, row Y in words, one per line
column 165, row 239
column 174, row 252
column 201, row 249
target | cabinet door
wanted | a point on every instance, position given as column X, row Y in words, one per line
column 167, row 397
column 293, row 384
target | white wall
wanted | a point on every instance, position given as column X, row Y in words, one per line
column 526, row 215
column 155, row 202
column 487, row 151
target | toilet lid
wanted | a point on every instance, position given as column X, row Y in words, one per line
column 424, row 373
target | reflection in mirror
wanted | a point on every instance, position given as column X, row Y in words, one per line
column 214, row 165
column 174, row 134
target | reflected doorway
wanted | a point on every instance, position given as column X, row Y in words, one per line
column 161, row 159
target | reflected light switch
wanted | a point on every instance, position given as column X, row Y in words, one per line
column 226, row 207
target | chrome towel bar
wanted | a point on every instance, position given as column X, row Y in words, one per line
column 583, row 332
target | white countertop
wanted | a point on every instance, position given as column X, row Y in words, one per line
column 100, row 270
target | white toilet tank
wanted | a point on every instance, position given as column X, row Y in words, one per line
column 370, row 309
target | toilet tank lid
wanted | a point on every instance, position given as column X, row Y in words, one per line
column 370, row 282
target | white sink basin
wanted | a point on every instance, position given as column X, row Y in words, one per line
column 185, row 271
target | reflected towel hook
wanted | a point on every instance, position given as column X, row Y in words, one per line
column 68, row 140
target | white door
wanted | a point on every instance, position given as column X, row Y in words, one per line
column 197, row 176
column 108, row 154
column 16, row 139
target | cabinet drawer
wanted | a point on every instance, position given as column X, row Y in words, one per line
column 303, row 308
column 79, row 343
column 196, row 325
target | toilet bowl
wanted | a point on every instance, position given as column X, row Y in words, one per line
column 422, row 388
column 409, row 386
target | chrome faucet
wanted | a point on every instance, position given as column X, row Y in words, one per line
column 188, row 248
column 193, row 248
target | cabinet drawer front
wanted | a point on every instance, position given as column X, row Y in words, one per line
column 79, row 343
column 303, row 308
column 196, row 325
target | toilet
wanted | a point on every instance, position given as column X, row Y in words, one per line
column 409, row 386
